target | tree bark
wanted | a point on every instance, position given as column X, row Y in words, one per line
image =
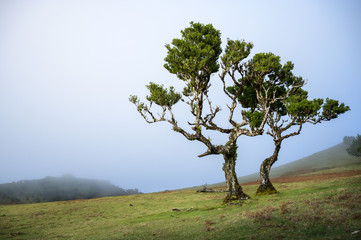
column 266, row 187
column 235, row 192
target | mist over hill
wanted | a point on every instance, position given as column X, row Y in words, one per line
column 66, row 187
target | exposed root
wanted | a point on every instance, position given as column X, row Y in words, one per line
column 262, row 190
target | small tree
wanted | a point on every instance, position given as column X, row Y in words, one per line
column 249, row 85
column 355, row 146
column 295, row 110
column 348, row 140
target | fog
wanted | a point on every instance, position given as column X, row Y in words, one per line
column 65, row 187
column 67, row 69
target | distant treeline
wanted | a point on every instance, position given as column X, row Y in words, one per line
column 62, row 188
column 354, row 145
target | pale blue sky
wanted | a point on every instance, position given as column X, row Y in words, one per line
column 68, row 67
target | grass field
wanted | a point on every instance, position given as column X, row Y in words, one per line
column 313, row 209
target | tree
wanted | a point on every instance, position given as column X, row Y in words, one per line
column 249, row 85
column 348, row 140
column 355, row 146
column 295, row 110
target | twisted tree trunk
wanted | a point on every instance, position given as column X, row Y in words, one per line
column 235, row 192
column 266, row 187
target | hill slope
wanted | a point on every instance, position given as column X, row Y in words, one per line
column 326, row 209
column 333, row 157
column 66, row 187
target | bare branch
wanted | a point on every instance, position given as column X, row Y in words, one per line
column 222, row 77
column 231, row 112
column 208, row 119
column 212, row 151
column 294, row 133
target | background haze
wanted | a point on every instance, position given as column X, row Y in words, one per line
column 67, row 69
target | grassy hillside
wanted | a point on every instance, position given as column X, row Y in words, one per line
column 332, row 159
column 312, row 207
column 328, row 209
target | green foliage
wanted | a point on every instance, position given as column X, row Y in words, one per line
column 162, row 96
column 265, row 73
column 279, row 107
column 298, row 95
column 270, row 74
column 285, row 75
column 303, row 109
column 355, row 147
column 235, row 52
column 187, row 91
column 331, row 109
column 140, row 106
column 194, row 57
column 246, row 95
column 266, row 63
column 133, row 99
column 255, row 118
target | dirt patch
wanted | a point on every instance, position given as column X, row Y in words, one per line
column 315, row 177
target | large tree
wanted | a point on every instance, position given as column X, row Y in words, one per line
column 286, row 118
column 249, row 85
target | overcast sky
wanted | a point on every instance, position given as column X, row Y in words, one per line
column 67, row 68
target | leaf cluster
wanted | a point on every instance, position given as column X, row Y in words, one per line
column 246, row 95
column 332, row 108
column 141, row 107
column 265, row 81
column 302, row 109
column 266, row 63
column 162, row 96
column 235, row 52
column 255, row 118
column 276, row 79
column 194, row 57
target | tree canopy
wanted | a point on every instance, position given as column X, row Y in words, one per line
column 257, row 88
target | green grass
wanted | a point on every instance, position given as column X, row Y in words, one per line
column 329, row 209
